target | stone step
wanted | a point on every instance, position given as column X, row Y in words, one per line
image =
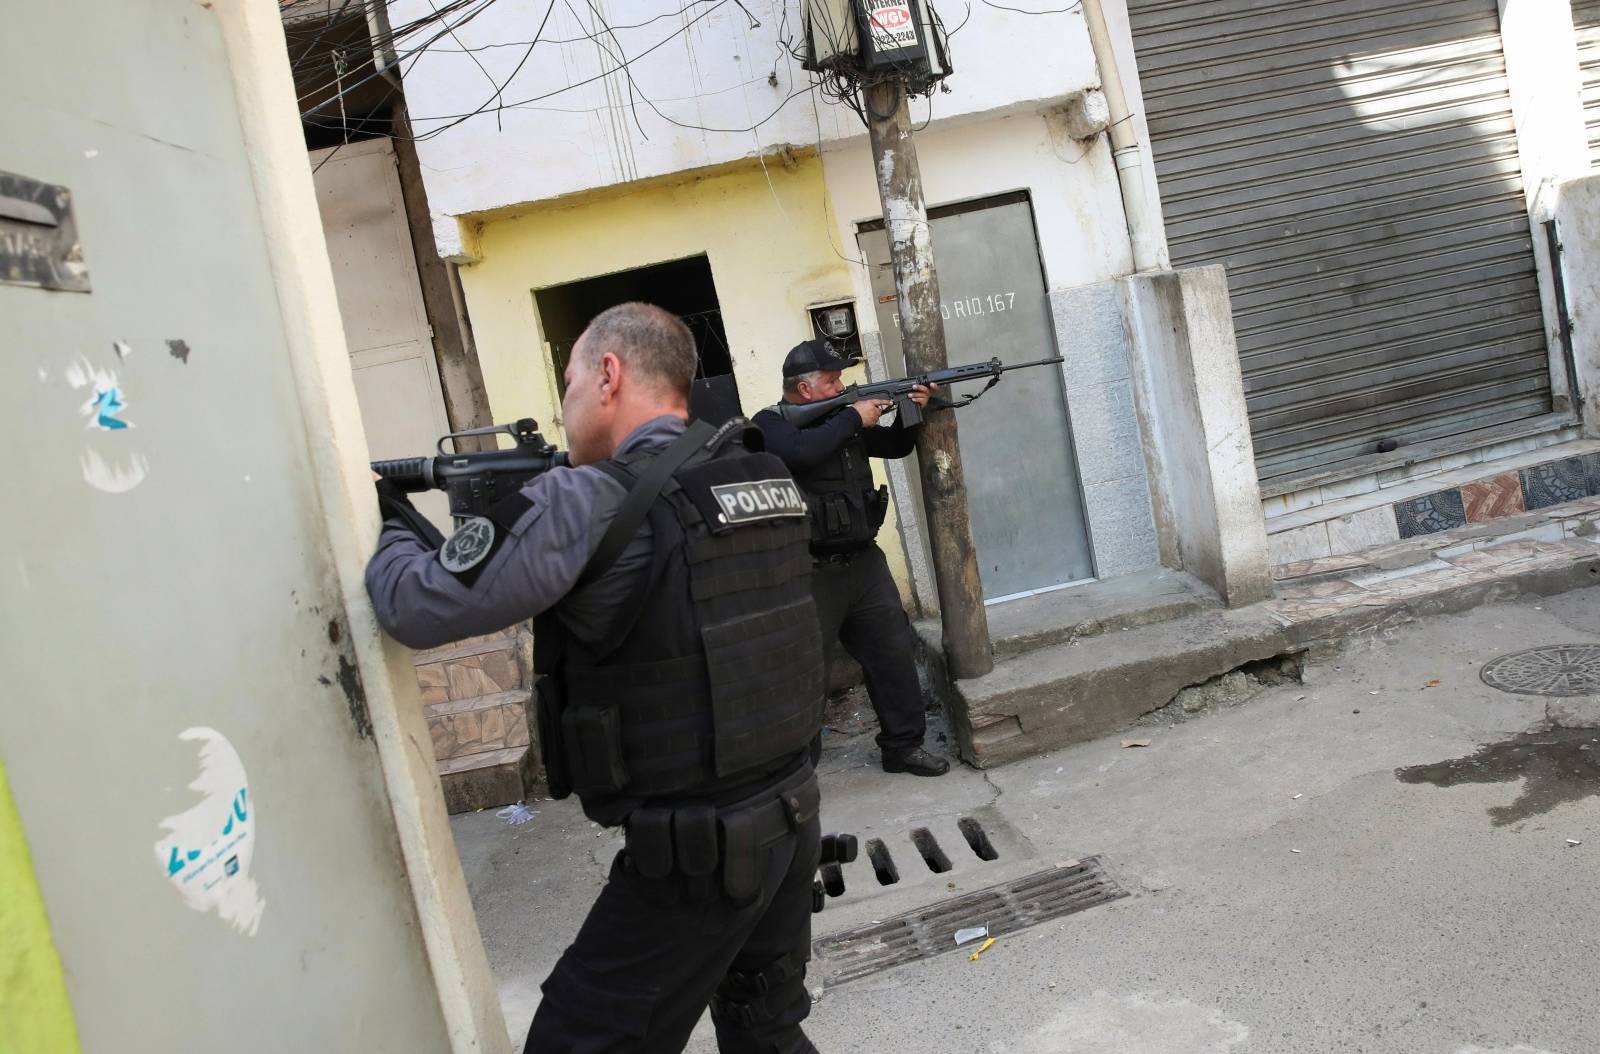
column 1070, row 692
column 1385, row 513
column 472, row 726
column 1088, row 610
column 486, row 780
column 1574, row 519
column 472, row 669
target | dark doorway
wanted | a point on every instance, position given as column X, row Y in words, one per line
column 683, row 287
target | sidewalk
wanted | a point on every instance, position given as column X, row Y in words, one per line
column 1077, row 681
column 1288, row 892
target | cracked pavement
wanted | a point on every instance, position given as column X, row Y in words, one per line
column 1289, row 892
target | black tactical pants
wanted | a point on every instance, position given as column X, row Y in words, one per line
column 654, row 952
column 859, row 607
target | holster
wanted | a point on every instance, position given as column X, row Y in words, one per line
column 878, row 508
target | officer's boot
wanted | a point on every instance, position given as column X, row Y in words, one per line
column 916, row 761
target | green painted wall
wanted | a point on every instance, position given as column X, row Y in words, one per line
column 35, row 1016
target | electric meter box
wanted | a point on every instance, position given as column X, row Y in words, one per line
column 856, row 36
column 893, row 33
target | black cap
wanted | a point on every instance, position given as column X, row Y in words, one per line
column 814, row 356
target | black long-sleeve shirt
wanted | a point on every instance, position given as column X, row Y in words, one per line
column 803, row 449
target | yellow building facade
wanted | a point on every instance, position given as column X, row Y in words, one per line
column 730, row 215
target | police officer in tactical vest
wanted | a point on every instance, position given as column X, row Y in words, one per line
column 856, row 597
column 681, row 684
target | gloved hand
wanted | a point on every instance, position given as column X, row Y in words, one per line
column 394, row 505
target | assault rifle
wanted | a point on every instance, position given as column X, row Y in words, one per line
column 475, row 481
column 802, row 415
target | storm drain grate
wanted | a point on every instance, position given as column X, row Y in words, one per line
column 928, row 931
column 1561, row 669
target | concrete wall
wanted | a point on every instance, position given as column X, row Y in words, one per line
column 1190, row 397
column 221, row 770
column 573, row 122
column 1577, row 213
column 1546, row 87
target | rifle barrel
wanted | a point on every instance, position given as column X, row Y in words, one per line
column 1040, row 362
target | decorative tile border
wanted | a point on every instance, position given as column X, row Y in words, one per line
column 1442, row 510
column 1490, row 499
column 1557, row 482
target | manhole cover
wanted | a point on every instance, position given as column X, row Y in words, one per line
column 1560, row 669
column 928, row 931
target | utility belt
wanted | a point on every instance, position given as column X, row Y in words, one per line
column 695, row 840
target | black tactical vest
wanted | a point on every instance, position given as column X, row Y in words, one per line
column 846, row 508
column 712, row 676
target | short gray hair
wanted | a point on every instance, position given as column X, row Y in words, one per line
column 652, row 341
column 791, row 385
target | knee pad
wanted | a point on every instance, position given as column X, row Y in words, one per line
column 749, row 999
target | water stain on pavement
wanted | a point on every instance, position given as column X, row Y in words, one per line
column 1556, row 765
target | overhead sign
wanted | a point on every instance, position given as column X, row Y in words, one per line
column 892, row 34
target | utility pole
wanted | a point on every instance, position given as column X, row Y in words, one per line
column 964, row 623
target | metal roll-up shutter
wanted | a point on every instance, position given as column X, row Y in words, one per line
column 1354, row 165
column 1586, row 20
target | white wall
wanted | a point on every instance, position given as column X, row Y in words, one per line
column 1077, row 210
column 1577, row 211
column 191, row 665
column 1546, row 86
column 717, row 74
column 1073, row 184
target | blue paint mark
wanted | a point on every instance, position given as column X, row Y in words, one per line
column 107, row 405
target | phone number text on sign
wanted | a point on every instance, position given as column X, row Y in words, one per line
column 972, row 306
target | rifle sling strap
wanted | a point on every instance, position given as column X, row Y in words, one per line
column 641, row 495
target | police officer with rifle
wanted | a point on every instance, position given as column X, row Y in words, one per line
column 857, row 599
column 681, row 684
column 824, row 432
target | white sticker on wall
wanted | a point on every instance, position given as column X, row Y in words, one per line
column 205, row 851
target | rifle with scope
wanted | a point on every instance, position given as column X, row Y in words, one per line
column 802, row 415
column 473, row 481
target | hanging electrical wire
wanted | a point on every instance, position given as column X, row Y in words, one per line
column 842, row 83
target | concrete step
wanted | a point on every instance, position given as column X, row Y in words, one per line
column 1088, row 610
column 485, row 780
column 1074, row 691
column 1070, row 692
column 472, row 726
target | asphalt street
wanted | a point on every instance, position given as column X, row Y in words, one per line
column 1377, row 860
